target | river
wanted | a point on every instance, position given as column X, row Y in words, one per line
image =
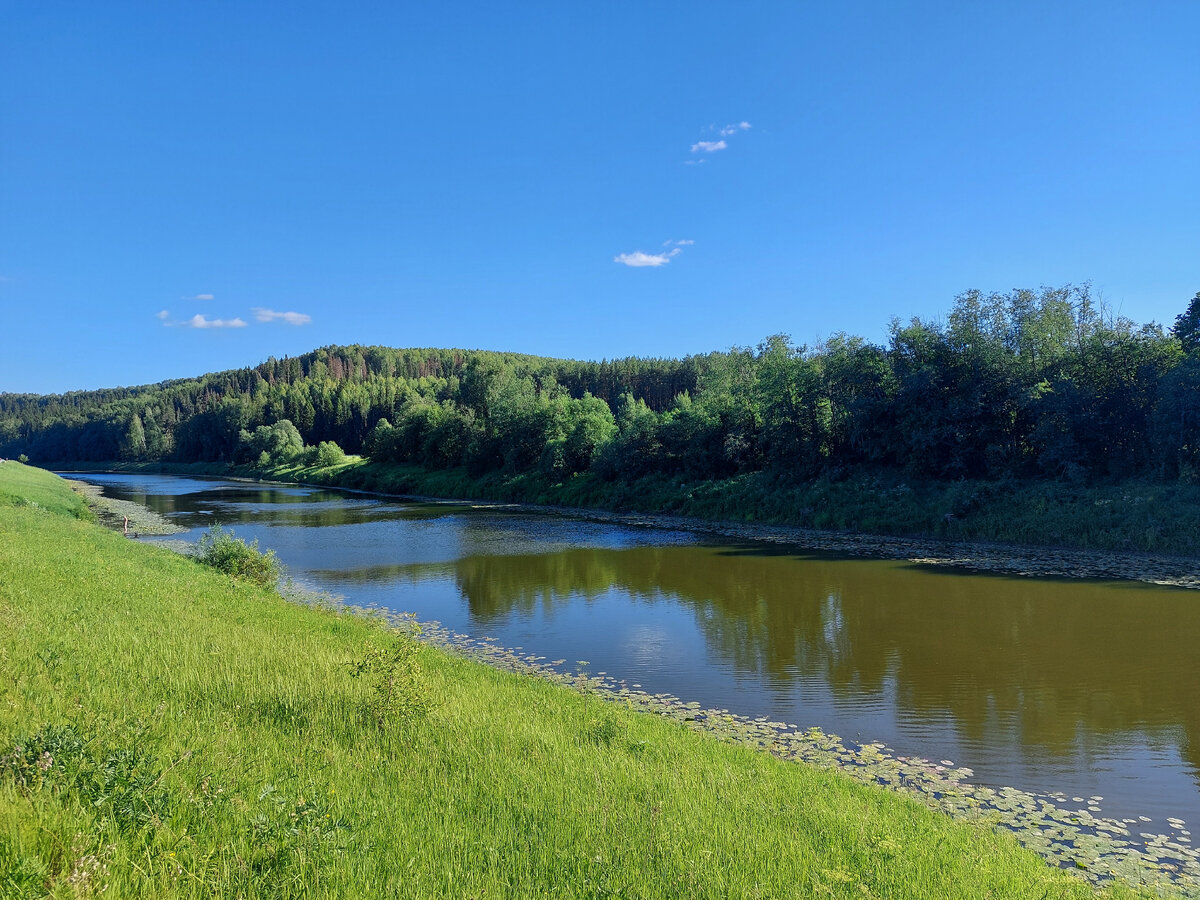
column 1087, row 688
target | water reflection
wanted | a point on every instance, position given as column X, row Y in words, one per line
column 302, row 507
column 1050, row 659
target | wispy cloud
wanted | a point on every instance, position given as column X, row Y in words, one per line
column 203, row 297
column 678, row 243
column 705, row 147
column 270, row 315
column 199, row 321
column 637, row 259
column 162, row 314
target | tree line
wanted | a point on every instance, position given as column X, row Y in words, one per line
column 1041, row 384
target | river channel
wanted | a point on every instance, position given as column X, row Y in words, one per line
column 1087, row 688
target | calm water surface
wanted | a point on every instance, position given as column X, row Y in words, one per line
column 1092, row 688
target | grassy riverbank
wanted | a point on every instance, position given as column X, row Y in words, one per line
column 168, row 732
column 1131, row 516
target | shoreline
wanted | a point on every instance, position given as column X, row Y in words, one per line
column 1015, row 560
column 110, row 511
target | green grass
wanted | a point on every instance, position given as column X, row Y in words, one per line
column 22, row 485
column 185, row 734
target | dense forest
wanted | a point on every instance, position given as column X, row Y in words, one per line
column 1041, row 384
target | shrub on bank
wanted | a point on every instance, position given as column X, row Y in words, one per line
column 233, row 556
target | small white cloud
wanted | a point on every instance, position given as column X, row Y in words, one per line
column 638, row 259
column 162, row 314
column 694, row 162
column 203, row 297
column 734, row 129
column 199, row 321
column 270, row 315
column 708, row 146
column 678, row 243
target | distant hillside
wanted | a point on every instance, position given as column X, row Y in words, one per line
column 1025, row 384
column 332, row 394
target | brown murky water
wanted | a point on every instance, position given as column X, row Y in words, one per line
column 1090, row 688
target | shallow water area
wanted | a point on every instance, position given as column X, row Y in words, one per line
column 1083, row 688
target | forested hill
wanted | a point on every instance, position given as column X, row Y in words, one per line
column 1026, row 384
column 331, row 394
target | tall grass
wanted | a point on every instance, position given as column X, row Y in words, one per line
column 167, row 731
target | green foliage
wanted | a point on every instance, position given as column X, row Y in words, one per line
column 270, row 444
column 233, row 556
column 329, row 453
column 23, row 459
column 1187, row 326
column 1177, row 422
column 134, row 444
column 393, row 672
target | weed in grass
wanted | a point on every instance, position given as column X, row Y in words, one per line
column 22, row 877
column 120, row 785
column 286, row 713
column 397, row 691
column 604, row 731
column 291, row 832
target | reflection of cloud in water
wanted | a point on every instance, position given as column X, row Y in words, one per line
column 649, row 645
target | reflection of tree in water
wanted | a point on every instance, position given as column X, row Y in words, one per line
column 248, row 505
column 497, row 586
column 1050, row 659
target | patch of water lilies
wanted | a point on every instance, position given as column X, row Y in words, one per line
column 1069, row 832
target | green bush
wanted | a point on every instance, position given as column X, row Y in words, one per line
column 398, row 693
column 233, row 556
column 330, row 454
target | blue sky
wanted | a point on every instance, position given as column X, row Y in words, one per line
column 291, row 175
